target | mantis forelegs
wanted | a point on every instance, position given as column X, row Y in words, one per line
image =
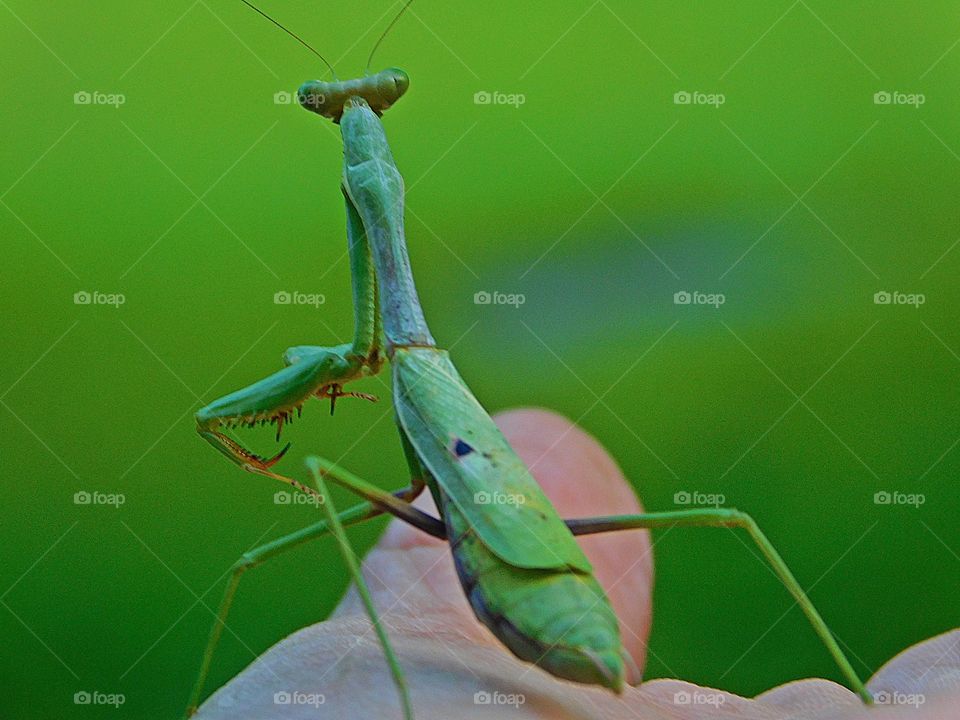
column 729, row 517
column 311, row 371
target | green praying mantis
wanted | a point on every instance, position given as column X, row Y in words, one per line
column 520, row 566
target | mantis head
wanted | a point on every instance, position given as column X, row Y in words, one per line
column 380, row 91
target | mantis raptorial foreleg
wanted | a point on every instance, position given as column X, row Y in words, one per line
column 311, row 370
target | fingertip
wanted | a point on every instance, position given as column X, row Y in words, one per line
column 574, row 469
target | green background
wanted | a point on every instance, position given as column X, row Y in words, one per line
column 501, row 198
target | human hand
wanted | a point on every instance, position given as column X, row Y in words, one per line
column 453, row 664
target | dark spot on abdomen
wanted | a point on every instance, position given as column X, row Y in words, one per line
column 461, row 448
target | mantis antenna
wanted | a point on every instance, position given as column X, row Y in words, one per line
column 384, row 34
column 297, row 37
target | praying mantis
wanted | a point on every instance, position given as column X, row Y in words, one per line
column 520, row 566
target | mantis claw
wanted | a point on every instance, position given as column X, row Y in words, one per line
column 310, row 372
column 239, row 454
column 266, row 464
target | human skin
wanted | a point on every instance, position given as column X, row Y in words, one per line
column 451, row 660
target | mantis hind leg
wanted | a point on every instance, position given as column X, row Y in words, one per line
column 731, row 518
column 257, row 556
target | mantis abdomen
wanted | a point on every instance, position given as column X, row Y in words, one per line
column 521, row 570
column 559, row 620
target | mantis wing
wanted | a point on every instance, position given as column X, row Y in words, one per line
column 475, row 466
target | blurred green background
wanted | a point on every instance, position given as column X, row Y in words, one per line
column 200, row 197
